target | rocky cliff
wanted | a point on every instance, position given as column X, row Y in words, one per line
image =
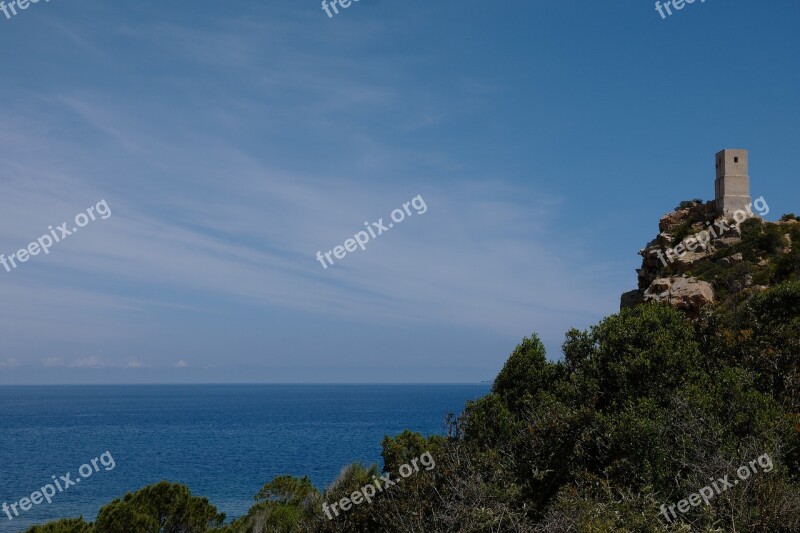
column 700, row 258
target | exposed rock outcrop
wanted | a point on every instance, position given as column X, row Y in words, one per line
column 686, row 236
column 701, row 258
column 665, row 252
column 687, row 294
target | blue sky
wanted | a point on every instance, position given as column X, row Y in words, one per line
column 233, row 140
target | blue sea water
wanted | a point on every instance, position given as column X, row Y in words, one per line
column 223, row 441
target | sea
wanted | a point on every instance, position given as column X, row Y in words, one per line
column 222, row 441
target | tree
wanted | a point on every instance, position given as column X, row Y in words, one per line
column 161, row 508
column 284, row 505
column 527, row 370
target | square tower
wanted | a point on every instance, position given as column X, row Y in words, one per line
column 732, row 186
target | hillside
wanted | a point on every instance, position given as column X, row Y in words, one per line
column 700, row 259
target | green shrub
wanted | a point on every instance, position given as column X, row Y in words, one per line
column 161, row 508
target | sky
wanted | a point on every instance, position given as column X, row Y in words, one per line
column 232, row 141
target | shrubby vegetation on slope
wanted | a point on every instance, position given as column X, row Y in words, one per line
column 645, row 408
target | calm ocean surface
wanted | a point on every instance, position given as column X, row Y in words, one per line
column 223, row 441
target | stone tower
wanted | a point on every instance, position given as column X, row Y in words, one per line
column 732, row 186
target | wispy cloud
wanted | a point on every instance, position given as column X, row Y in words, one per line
column 224, row 206
column 87, row 362
column 9, row 362
column 52, row 362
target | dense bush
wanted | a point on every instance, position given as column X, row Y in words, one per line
column 689, row 203
column 161, row 508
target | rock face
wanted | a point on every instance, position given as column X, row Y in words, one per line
column 632, row 298
column 665, row 259
column 692, row 219
column 697, row 211
column 688, row 294
column 735, row 258
column 699, row 257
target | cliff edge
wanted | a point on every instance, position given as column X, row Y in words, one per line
column 701, row 258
